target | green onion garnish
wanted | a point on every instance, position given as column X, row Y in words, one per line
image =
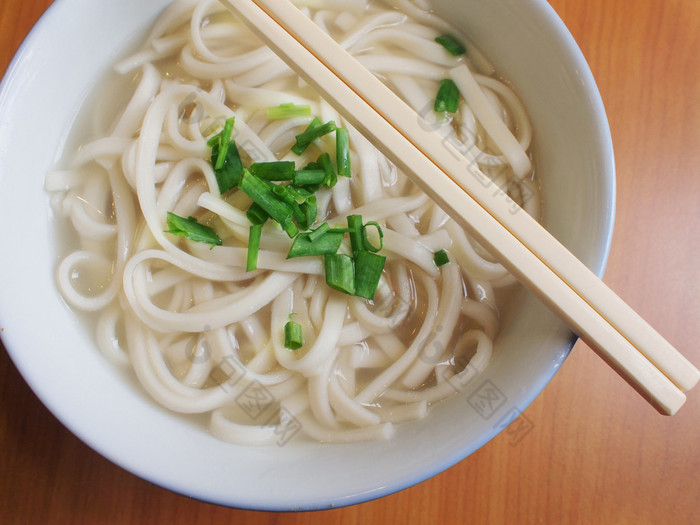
column 275, row 171
column 253, row 247
column 340, row 272
column 213, row 140
column 289, row 198
column 288, row 111
column 312, row 166
column 303, row 203
column 314, row 130
column 256, row 214
column 224, row 140
column 294, row 206
column 309, row 177
column 300, row 193
column 315, row 234
column 454, row 46
column 301, row 143
column 229, row 174
column 342, row 152
column 365, row 238
column 191, row 229
column 310, row 209
column 357, row 242
column 368, row 272
column 293, row 336
column 289, row 227
column 330, row 179
column 308, row 244
column 447, row 98
column 264, row 196
column 441, row 258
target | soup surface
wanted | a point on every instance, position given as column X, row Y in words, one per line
column 248, row 255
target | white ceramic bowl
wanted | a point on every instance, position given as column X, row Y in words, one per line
column 56, row 68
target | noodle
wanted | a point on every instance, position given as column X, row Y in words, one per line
column 202, row 334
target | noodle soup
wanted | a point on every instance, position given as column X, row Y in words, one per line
column 164, row 242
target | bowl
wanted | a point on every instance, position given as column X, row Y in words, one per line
column 54, row 71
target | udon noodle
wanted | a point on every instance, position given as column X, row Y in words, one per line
column 205, row 336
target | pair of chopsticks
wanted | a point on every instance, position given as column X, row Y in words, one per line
column 607, row 324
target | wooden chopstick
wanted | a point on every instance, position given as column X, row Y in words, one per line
column 607, row 324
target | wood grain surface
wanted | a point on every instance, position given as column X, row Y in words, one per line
column 595, row 452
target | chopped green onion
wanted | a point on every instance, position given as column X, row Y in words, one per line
column 224, row 140
column 289, row 198
column 276, row 171
column 340, row 272
column 312, row 166
column 253, row 247
column 229, row 174
column 214, row 139
column 263, row 195
column 288, row 111
column 293, row 336
column 342, row 152
column 365, row 238
column 330, row 179
column 300, row 194
column 309, row 177
column 191, row 229
column 302, row 202
column 307, row 189
column 441, row 258
column 315, row 234
column 447, row 98
column 314, row 130
column 300, row 143
column 256, row 214
column 357, row 242
column 368, row 272
column 307, row 245
column 454, row 46
column 289, row 227
column 310, row 209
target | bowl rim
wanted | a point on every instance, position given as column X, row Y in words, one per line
column 563, row 38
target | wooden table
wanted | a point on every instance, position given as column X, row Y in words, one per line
column 596, row 452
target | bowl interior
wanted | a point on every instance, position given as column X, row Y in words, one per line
column 53, row 73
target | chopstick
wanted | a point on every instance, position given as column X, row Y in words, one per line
column 607, row 324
